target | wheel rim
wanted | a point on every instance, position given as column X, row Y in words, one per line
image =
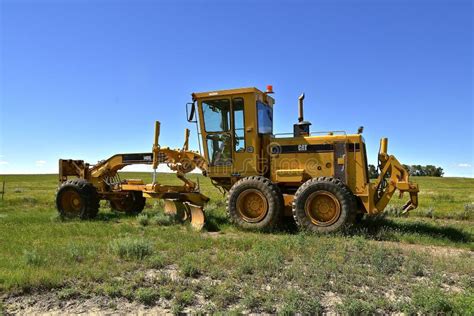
column 323, row 208
column 71, row 203
column 252, row 206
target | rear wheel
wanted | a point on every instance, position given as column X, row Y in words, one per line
column 255, row 203
column 132, row 204
column 77, row 198
column 324, row 205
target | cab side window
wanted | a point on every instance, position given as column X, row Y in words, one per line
column 239, row 124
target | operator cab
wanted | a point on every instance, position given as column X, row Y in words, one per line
column 232, row 125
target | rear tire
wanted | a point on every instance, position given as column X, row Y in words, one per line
column 77, row 198
column 255, row 203
column 132, row 204
column 324, row 205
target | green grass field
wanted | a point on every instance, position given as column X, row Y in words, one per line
column 421, row 263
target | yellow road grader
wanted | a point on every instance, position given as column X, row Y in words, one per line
column 318, row 179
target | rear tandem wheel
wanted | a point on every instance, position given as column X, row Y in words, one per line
column 324, row 205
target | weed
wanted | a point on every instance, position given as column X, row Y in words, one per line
column 360, row 243
column 68, row 293
column 225, row 294
column 32, row 258
column 143, row 219
column 165, row 292
column 394, row 211
column 429, row 300
column 415, row 266
column 428, row 212
column 156, row 261
column 164, row 279
column 181, row 300
column 111, row 290
column 163, row 219
column 246, row 265
column 464, row 303
column 386, row 261
column 351, row 306
column 131, row 248
column 468, row 212
column 75, row 253
column 295, row 302
column 146, row 295
column 251, row 300
column 189, row 266
column 262, row 260
column 158, row 204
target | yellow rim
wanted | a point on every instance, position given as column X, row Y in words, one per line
column 252, row 205
column 323, row 208
column 71, row 202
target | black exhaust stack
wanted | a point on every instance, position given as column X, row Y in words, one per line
column 302, row 127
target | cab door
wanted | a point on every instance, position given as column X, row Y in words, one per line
column 245, row 141
column 217, row 135
column 239, row 147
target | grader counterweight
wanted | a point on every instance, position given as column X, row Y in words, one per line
column 320, row 180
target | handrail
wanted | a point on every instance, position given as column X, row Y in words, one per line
column 311, row 134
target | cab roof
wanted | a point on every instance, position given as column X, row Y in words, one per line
column 200, row 95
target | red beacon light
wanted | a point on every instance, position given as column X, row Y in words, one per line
column 269, row 89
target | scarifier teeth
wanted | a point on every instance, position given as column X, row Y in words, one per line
column 407, row 207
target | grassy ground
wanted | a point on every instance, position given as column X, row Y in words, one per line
column 421, row 263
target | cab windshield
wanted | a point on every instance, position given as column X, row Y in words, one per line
column 217, row 125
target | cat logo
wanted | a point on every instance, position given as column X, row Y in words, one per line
column 302, row 147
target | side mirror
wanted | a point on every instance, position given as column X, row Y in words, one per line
column 191, row 112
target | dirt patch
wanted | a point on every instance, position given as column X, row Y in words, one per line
column 433, row 250
column 49, row 304
column 330, row 300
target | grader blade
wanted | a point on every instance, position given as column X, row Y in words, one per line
column 176, row 209
column 197, row 216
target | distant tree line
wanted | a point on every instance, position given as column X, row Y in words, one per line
column 414, row 170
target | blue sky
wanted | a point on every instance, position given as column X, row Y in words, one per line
column 87, row 79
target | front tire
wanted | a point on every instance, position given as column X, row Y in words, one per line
column 255, row 203
column 77, row 198
column 324, row 205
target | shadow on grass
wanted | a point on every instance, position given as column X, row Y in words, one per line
column 381, row 228
column 111, row 216
column 376, row 228
column 215, row 223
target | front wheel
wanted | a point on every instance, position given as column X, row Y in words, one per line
column 255, row 203
column 323, row 205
